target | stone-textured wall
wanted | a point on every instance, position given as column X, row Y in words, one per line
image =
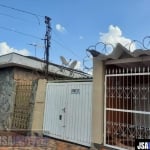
column 22, row 74
column 7, row 92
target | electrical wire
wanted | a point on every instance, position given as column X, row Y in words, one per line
column 7, row 15
column 36, row 37
column 23, row 11
column 25, row 34
column 65, row 47
column 36, row 15
column 62, row 45
column 15, row 18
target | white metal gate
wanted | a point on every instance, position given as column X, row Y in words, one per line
column 68, row 111
column 127, row 107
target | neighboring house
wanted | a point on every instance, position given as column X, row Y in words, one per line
column 18, row 85
column 121, row 97
column 30, row 68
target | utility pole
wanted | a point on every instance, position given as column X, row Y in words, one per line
column 47, row 43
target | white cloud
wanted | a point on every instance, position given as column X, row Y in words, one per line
column 5, row 49
column 60, row 28
column 114, row 36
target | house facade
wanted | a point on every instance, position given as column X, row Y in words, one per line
column 19, row 78
column 121, row 103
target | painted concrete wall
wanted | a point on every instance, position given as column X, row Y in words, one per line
column 7, row 92
column 38, row 111
column 98, row 102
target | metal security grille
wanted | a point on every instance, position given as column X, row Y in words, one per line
column 22, row 106
column 127, row 106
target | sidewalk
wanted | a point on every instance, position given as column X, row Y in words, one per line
column 21, row 142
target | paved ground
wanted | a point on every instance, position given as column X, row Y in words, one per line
column 35, row 143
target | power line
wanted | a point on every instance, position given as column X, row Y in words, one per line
column 36, row 37
column 36, row 15
column 63, row 45
column 14, row 17
column 67, row 48
column 25, row 34
column 23, row 11
column 7, row 15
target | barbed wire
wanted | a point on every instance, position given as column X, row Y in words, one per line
column 107, row 48
column 146, row 40
column 136, row 44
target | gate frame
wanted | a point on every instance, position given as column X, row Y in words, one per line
column 76, row 82
column 122, row 74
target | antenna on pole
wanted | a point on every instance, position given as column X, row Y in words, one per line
column 35, row 45
column 47, row 43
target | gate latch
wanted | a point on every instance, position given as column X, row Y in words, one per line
column 60, row 117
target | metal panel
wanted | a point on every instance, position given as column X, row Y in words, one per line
column 78, row 115
column 72, row 102
column 54, row 115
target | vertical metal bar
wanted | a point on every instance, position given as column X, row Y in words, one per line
column 135, row 103
column 139, row 103
column 127, row 107
column 131, row 88
column 123, row 99
column 119, row 99
column 144, row 100
column 124, row 106
column 112, row 98
column 148, row 100
column 116, row 99
column 109, row 84
column 105, row 113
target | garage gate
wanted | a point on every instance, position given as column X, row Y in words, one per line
column 68, row 109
